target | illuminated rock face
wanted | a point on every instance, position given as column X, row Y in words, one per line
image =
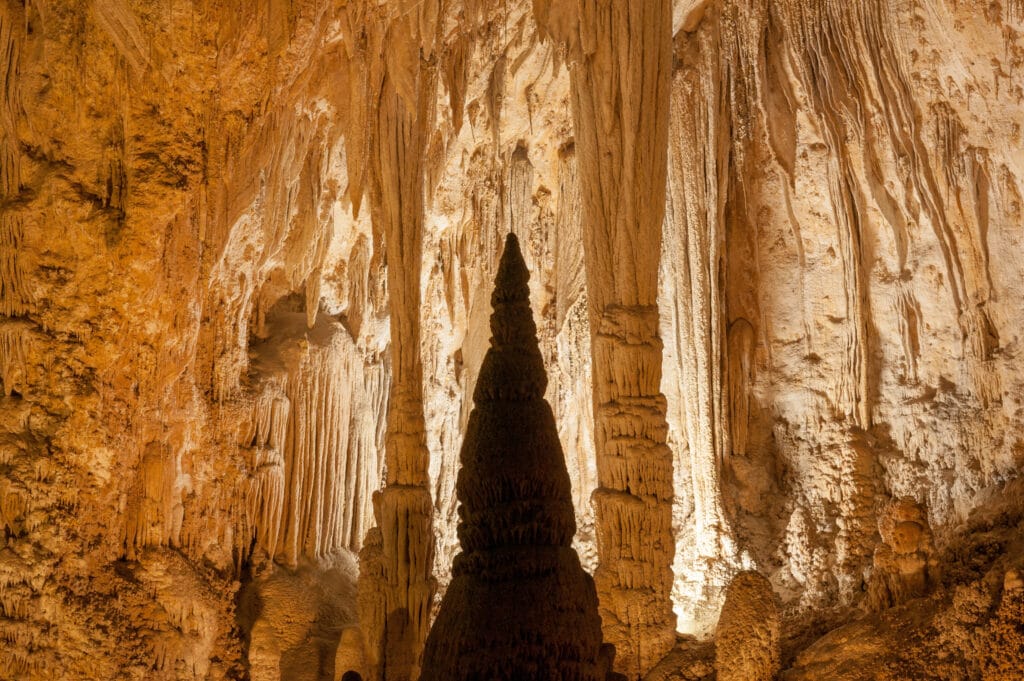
column 245, row 262
column 623, row 162
column 519, row 606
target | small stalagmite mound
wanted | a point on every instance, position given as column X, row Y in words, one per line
column 905, row 564
column 747, row 638
column 519, row 606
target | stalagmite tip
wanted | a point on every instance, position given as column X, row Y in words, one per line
column 519, row 605
column 513, row 368
column 511, row 284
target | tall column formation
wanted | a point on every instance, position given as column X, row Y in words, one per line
column 395, row 50
column 519, row 606
column 620, row 55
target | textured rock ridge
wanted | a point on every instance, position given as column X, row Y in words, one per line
column 519, row 606
column 969, row 627
column 393, row 74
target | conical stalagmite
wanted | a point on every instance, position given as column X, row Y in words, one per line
column 519, row 605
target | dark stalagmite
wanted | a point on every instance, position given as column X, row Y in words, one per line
column 519, row 605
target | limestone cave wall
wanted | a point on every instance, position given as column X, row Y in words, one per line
column 245, row 263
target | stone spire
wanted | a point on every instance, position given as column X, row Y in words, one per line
column 519, row 605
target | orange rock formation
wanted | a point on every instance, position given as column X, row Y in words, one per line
column 245, row 261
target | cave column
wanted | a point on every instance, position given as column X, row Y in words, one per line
column 403, row 508
column 620, row 56
column 401, row 84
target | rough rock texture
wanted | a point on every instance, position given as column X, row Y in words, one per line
column 202, row 205
column 747, row 638
column 905, row 564
column 292, row 621
column 845, row 165
column 519, row 606
column 971, row 628
column 351, row 655
column 689, row 660
column 392, row 67
column 166, row 182
column 372, row 603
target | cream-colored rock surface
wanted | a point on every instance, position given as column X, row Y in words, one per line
column 232, row 234
column 844, row 209
column 620, row 57
column 748, row 635
column 968, row 629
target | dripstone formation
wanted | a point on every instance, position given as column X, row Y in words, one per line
column 519, row 606
column 905, row 564
column 748, row 632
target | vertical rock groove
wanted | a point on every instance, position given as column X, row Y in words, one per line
column 693, row 306
column 311, row 449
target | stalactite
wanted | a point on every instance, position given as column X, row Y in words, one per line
column 621, row 152
column 15, row 349
column 15, row 295
column 265, row 485
column 12, row 22
column 155, row 506
column 520, row 191
column 14, row 291
column 571, row 282
column 311, row 440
